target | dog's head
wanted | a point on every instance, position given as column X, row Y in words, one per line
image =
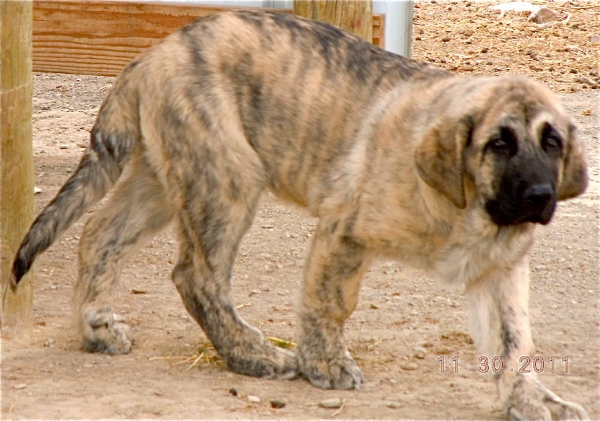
column 507, row 143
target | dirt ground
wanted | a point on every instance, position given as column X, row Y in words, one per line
column 404, row 322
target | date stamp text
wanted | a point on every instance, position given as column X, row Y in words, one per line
column 536, row 364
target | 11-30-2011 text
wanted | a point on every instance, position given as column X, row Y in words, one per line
column 537, row 364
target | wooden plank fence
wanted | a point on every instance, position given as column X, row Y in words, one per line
column 101, row 37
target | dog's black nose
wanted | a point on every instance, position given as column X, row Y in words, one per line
column 538, row 196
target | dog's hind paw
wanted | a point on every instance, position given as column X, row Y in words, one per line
column 105, row 332
column 337, row 373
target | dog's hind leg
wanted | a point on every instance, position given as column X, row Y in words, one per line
column 332, row 278
column 216, row 212
column 137, row 211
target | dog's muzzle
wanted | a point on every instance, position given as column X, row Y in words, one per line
column 532, row 203
column 538, row 203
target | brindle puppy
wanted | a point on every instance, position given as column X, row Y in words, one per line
column 396, row 158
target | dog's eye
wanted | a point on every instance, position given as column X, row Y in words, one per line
column 552, row 143
column 498, row 144
column 504, row 143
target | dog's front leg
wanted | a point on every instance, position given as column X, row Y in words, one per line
column 499, row 322
column 332, row 278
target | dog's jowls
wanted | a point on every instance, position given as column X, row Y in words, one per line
column 396, row 158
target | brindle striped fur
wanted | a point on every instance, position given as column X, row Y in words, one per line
column 396, row 158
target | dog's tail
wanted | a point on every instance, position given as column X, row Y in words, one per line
column 113, row 138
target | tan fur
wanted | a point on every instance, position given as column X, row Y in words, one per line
column 397, row 159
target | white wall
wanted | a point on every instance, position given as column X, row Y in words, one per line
column 279, row 4
column 398, row 24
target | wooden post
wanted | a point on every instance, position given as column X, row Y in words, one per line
column 355, row 16
column 16, row 156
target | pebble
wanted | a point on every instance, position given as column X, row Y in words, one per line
column 277, row 403
column 253, row 399
column 20, row 386
column 466, row 32
column 585, row 80
column 36, row 190
column 233, row 391
column 332, row 403
column 420, row 352
column 545, row 15
column 409, row 366
column 419, row 348
column 63, row 146
column 394, row 405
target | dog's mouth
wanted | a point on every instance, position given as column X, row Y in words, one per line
column 536, row 204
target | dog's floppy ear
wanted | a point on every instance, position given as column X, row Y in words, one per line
column 439, row 158
column 575, row 177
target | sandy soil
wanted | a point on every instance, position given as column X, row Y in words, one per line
column 404, row 322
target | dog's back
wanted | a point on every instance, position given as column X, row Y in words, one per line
column 289, row 87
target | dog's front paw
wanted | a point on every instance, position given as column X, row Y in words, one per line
column 568, row 410
column 336, row 373
column 560, row 410
column 323, row 357
column 530, row 400
column 103, row 331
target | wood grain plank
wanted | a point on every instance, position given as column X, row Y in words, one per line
column 353, row 16
column 101, row 37
column 16, row 158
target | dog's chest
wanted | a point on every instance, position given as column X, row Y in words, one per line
column 468, row 256
column 456, row 252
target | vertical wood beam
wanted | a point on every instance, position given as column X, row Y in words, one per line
column 16, row 153
column 355, row 16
